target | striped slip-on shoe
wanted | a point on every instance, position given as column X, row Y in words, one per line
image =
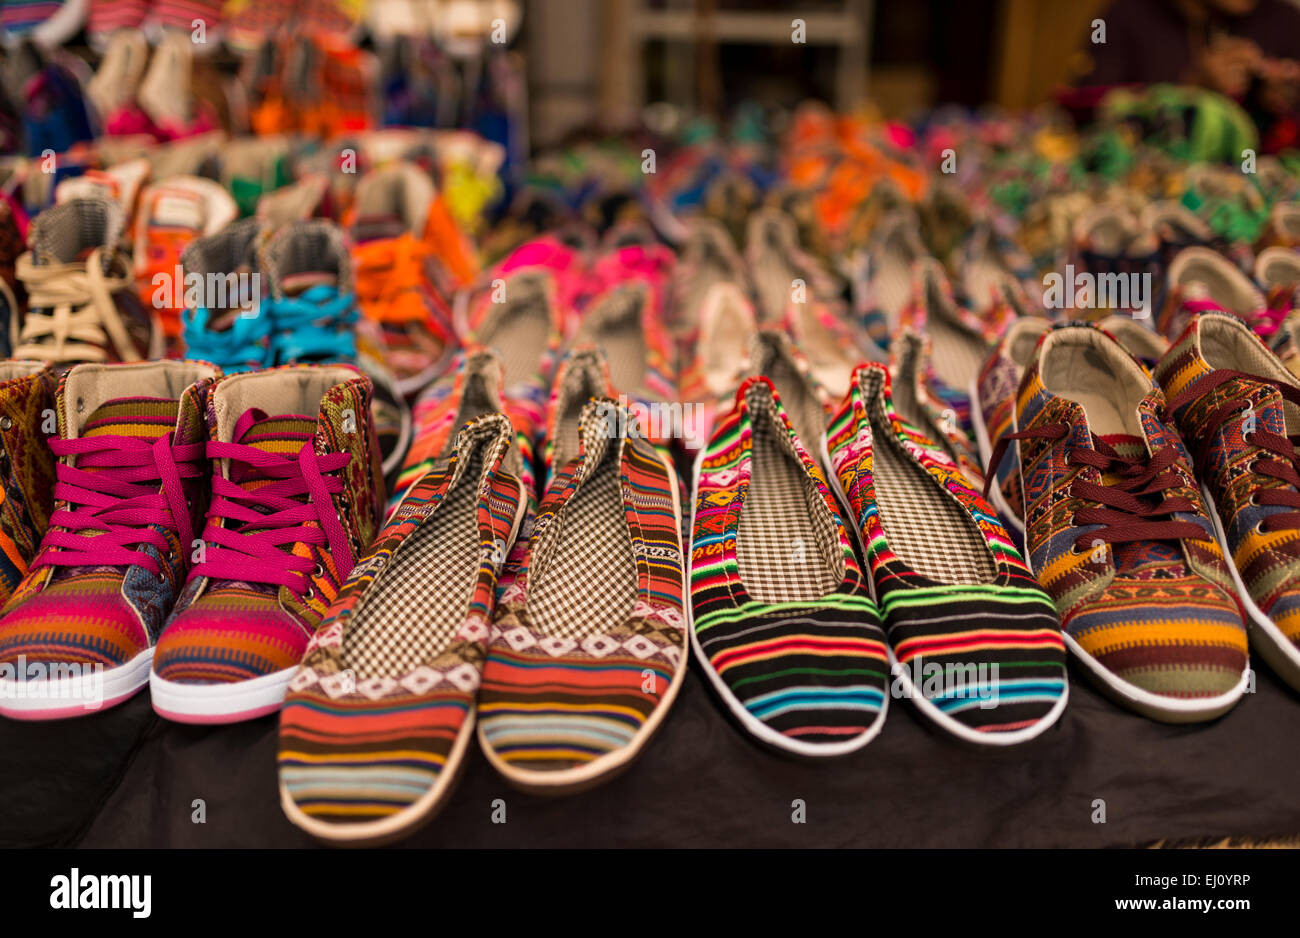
column 782, row 620
column 974, row 641
column 380, row 715
column 589, row 642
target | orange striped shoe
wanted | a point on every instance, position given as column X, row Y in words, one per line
column 589, row 640
column 381, row 713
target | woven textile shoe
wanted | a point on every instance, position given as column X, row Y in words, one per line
column 1239, row 406
column 1201, row 279
column 1117, row 531
column 380, row 715
column 27, row 402
column 312, row 299
column 974, row 640
column 78, row 633
column 234, row 332
column 782, row 619
column 81, row 301
column 296, row 497
column 590, row 636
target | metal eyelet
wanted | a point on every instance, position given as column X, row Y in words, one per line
column 318, row 570
column 309, row 594
column 6, row 422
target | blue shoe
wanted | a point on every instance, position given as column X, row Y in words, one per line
column 230, row 325
column 312, row 303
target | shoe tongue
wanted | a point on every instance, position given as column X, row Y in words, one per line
column 146, row 418
column 1144, row 559
column 176, row 208
column 281, row 434
column 298, row 284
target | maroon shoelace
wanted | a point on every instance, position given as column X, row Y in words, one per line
column 1283, row 459
column 1131, row 507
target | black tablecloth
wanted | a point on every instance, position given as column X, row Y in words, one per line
column 125, row 778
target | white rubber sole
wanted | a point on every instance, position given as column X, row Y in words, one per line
column 220, row 703
column 1273, row 646
column 985, row 447
column 73, row 697
column 754, row 726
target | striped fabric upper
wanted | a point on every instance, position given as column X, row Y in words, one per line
column 1160, row 615
column 589, row 635
column 813, row 670
column 364, row 736
column 1267, row 560
column 27, row 489
column 995, row 636
column 225, row 630
column 105, row 614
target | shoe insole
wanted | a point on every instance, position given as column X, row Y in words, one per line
column 587, row 584
column 893, row 282
column 420, row 602
column 519, row 337
column 780, row 546
column 619, row 334
column 955, row 354
column 928, row 531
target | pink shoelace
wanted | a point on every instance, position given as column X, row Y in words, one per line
column 262, row 522
column 1264, row 322
column 114, row 491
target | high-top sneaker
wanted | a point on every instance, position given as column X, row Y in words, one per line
column 230, row 327
column 314, row 317
column 171, row 215
column 26, row 465
column 296, row 498
column 402, row 282
column 78, row 632
column 81, row 305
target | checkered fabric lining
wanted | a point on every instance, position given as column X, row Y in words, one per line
column 786, row 545
column 924, row 526
column 421, row 600
column 62, row 232
column 772, row 354
column 615, row 326
column 588, row 583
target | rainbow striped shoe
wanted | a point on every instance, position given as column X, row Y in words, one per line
column 782, row 619
column 379, row 717
column 297, row 495
column 588, row 649
column 1238, row 403
column 27, row 391
column 974, row 640
column 1117, row 531
column 78, row 633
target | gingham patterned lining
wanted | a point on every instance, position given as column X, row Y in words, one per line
column 613, row 324
column 924, row 526
column 518, row 328
column 787, row 548
column 583, row 579
column 771, row 355
column 583, row 379
column 232, row 249
column 62, row 232
column 421, row 599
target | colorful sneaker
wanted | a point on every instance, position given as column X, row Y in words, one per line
column 1110, row 241
column 931, row 542
column 299, row 201
column 235, row 334
column 27, row 412
column 830, row 342
column 708, row 258
column 81, row 299
column 521, row 318
column 959, row 341
column 1117, row 532
column 782, row 619
column 1283, row 227
column 1277, row 271
column 590, row 638
column 401, row 283
column 313, row 304
column 172, row 214
column 379, row 717
column 724, row 335
column 297, row 496
column 783, row 273
column 1201, row 279
column 472, row 387
column 911, row 399
column 886, row 289
column 132, row 489
column 122, row 183
column 1240, row 406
